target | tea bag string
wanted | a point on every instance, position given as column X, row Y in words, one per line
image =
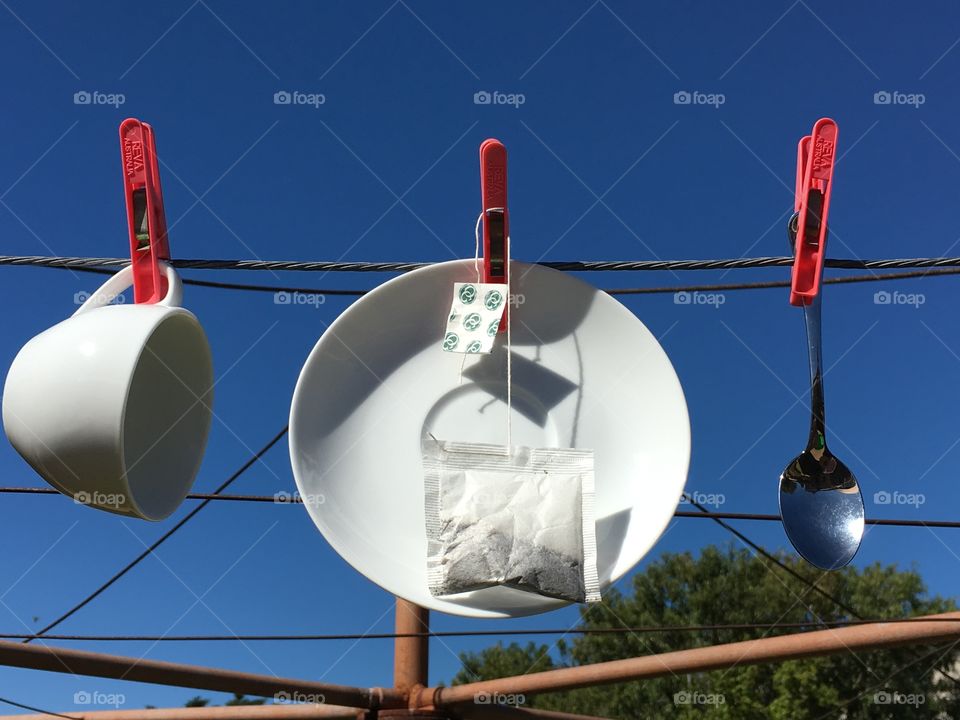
column 509, row 357
column 476, row 264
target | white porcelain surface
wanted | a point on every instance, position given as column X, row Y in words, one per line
column 112, row 405
column 586, row 373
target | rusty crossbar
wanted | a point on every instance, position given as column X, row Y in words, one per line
column 817, row 643
column 411, row 698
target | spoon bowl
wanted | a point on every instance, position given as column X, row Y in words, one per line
column 822, row 509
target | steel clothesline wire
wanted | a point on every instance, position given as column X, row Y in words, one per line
column 703, row 510
column 570, row 265
column 93, row 263
column 286, row 498
column 643, row 629
column 793, row 573
column 23, row 706
column 774, row 559
column 724, row 287
column 163, row 538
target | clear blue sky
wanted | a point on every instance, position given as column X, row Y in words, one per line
column 246, row 178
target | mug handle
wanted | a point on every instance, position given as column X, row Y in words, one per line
column 124, row 279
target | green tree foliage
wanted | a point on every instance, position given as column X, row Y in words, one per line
column 498, row 661
column 734, row 587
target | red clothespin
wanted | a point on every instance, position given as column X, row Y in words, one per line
column 496, row 218
column 816, row 156
column 146, row 221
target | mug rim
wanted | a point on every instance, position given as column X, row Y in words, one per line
column 167, row 312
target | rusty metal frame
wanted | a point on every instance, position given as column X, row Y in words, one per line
column 412, row 698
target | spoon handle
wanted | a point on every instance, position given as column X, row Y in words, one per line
column 811, row 314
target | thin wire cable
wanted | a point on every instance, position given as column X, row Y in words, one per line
column 643, row 629
column 96, row 263
column 163, row 538
column 887, row 522
column 287, row 498
column 812, row 585
column 769, row 556
column 569, row 265
column 724, row 287
column 22, row 706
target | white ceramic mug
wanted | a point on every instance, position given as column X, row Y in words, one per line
column 112, row 406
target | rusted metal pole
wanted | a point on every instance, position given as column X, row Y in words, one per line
column 411, row 654
column 79, row 662
column 818, row 643
column 411, row 659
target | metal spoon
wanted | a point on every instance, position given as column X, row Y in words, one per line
column 820, row 501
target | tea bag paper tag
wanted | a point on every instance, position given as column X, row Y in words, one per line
column 474, row 317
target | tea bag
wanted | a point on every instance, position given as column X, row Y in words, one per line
column 515, row 516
